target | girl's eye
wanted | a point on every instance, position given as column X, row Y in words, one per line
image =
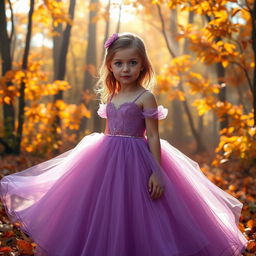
column 118, row 63
column 133, row 62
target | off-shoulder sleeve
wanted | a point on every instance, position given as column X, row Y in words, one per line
column 157, row 113
column 102, row 110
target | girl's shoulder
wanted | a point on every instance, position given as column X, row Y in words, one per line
column 150, row 107
column 148, row 100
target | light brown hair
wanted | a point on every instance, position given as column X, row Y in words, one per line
column 107, row 84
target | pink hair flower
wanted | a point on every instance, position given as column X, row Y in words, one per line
column 111, row 40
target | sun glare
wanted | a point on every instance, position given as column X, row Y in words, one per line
column 127, row 11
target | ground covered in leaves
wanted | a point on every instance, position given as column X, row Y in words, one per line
column 240, row 184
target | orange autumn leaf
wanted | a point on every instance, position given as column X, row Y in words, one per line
column 7, row 100
column 25, row 247
column 251, row 224
column 8, row 233
column 232, row 187
column 241, row 227
column 6, row 249
column 251, row 246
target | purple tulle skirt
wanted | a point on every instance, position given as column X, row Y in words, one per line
column 93, row 200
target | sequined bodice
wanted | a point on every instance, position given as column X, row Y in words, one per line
column 127, row 119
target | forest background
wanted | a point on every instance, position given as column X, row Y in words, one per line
column 204, row 56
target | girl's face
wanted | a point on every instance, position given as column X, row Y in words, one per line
column 126, row 66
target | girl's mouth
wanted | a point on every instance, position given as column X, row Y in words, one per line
column 125, row 77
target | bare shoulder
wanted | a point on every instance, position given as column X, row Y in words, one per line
column 148, row 100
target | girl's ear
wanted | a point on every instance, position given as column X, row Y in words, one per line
column 109, row 68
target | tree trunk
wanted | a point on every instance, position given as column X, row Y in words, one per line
column 106, row 29
column 215, row 129
column 119, row 17
column 178, row 133
column 75, row 80
column 200, row 145
column 8, row 109
column 253, row 17
column 241, row 100
column 22, row 102
column 223, row 90
column 56, row 49
column 191, row 16
column 199, row 142
column 61, row 57
column 200, row 127
column 221, row 80
column 107, row 26
column 12, row 40
column 89, row 78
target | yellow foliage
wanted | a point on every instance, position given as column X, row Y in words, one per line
column 180, row 64
column 34, row 79
column 238, row 140
column 203, row 105
column 38, row 133
column 56, row 12
column 220, row 40
column 179, row 70
column 9, row 93
column 171, row 75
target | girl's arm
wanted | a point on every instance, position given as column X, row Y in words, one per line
column 155, row 186
column 106, row 128
column 152, row 127
column 106, row 124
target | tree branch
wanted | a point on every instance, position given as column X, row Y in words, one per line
column 246, row 74
column 12, row 19
column 164, row 31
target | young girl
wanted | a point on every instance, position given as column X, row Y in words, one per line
column 124, row 192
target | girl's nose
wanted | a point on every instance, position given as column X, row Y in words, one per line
column 125, row 67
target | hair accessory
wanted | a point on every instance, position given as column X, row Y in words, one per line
column 111, row 40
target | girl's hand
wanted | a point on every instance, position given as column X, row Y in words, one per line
column 154, row 187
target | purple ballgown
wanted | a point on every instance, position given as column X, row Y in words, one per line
column 93, row 200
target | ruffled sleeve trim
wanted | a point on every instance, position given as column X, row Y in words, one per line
column 102, row 112
column 157, row 113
